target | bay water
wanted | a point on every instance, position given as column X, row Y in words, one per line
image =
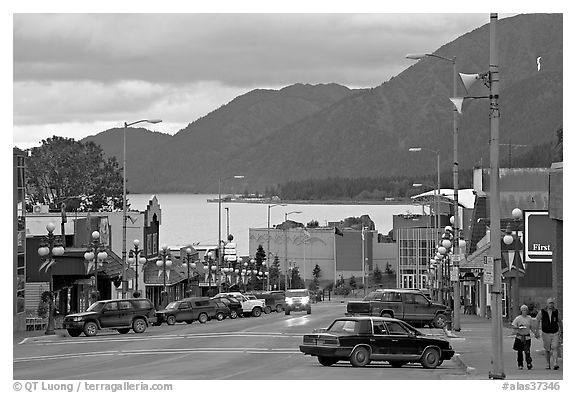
column 189, row 218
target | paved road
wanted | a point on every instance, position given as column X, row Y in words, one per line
column 243, row 349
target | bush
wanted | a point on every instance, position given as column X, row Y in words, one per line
column 343, row 290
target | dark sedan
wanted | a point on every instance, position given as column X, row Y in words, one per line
column 361, row 340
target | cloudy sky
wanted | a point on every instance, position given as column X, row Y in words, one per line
column 75, row 75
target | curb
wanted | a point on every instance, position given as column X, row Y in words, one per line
column 58, row 335
column 462, row 365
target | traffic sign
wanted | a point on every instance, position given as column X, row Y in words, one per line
column 488, row 270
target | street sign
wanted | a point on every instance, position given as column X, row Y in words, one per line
column 454, row 274
column 488, row 270
column 457, row 258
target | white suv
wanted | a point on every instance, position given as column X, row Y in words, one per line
column 249, row 306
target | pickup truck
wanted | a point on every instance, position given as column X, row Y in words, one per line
column 249, row 306
column 409, row 305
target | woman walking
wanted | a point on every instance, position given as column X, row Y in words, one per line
column 522, row 326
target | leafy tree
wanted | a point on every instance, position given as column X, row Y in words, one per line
column 63, row 170
column 313, row 224
column 295, row 279
column 388, row 269
column 377, row 275
column 352, row 282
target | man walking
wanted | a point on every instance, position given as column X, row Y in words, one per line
column 551, row 332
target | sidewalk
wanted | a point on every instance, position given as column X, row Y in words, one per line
column 473, row 346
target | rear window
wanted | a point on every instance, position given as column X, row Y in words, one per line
column 142, row 303
column 300, row 293
column 341, row 326
column 392, row 297
column 373, row 296
column 124, row 305
column 202, row 303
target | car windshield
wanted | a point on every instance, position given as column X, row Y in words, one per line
column 252, row 297
column 300, row 293
column 172, row 306
column 343, row 326
column 371, row 296
column 96, row 306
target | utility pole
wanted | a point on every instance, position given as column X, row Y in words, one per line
column 495, row 249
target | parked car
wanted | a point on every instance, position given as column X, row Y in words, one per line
column 409, row 305
column 297, row 300
column 122, row 315
column 274, row 300
column 222, row 310
column 252, row 307
column 233, row 305
column 362, row 340
column 187, row 310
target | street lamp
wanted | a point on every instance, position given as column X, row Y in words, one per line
column 209, row 268
column 124, row 262
column 286, row 246
column 189, row 257
column 418, row 56
column 227, row 221
column 50, row 246
column 516, row 271
column 96, row 254
column 165, row 264
column 268, row 253
column 220, row 251
column 135, row 256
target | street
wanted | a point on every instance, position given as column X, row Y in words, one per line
column 241, row 349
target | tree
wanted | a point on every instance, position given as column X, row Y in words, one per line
column 274, row 272
column 295, row 279
column 377, row 275
column 63, row 170
column 388, row 269
column 352, row 282
column 313, row 224
column 316, row 273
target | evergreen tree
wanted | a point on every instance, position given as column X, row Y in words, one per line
column 274, row 272
column 295, row 280
column 316, row 273
column 377, row 275
column 352, row 282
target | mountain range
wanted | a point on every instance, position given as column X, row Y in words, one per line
column 319, row 131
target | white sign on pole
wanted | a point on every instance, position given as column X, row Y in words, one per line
column 454, row 274
column 488, row 270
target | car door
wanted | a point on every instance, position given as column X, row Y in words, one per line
column 421, row 308
column 399, row 341
column 381, row 342
column 110, row 315
column 125, row 313
column 185, row 312
column 409, row 307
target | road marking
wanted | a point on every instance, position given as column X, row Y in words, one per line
column 169, row 337
column 138, row 352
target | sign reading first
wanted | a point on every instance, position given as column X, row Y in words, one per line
column 539, row 236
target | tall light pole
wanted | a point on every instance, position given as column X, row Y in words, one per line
column 495, row 248
column 50, row 245
column 227, row 221
column 220, row 250
column 124, row 261
column 165, row 264
column 286, row 246
column 135, row 256
column 268, row 253
column 97, row 254
column 455, row 175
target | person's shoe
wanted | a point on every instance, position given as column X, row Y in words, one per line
column 547, row 367
column 556, row 367
column 520, row 368
column 529, row 366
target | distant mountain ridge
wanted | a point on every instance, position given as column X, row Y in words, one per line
column 304, row 131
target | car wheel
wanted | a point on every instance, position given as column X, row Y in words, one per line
column 123, row 330
column 220, row 316
column 139, row 325
column 439, row 321
column 90, row 329
column 326, row 361
column 171, row 320
column 360, row 357
column 74, row 332
column 309, row 311
column 256, row 312
column 397, row 364
column 430, row 358
column 233, row 314
column 386, row 315
column 287, row 312
column 267, row 310
column 202, row 318
column 279, row 308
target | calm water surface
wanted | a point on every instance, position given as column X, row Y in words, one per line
column 189, row 218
